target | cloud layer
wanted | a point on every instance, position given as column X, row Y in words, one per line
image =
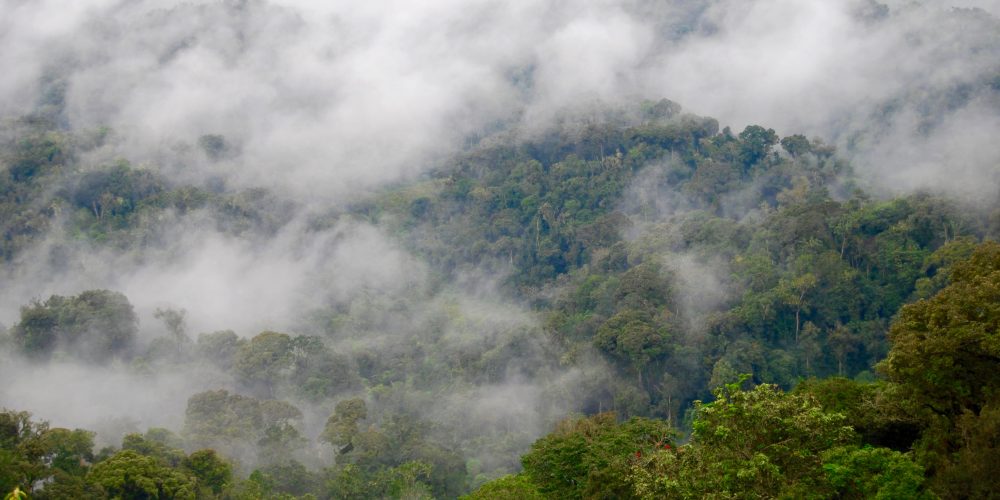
column 326, row 97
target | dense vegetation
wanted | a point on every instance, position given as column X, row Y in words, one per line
column 740, row 288
column 927, row 430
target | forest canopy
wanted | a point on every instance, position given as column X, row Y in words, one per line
column 820, row 281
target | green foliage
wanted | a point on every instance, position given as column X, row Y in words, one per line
column 348, row 482
column 634, row 338
column 756, row 143
column 875, row 410
column 943, row 359
column 763, row 443
column 271, row 359
column 157, row 443
column 231, row 422
column 796, row 145
column 395, row 455
column 342, row 426
column 262, row 360
column 95, row 325
column 682, row 255
column 938, row 265
column 114, row 193
column 318, row 372
column 408, row 480
column 34, row 159
column 31, row 452
column 878, row 473
column 544, row 207
column 211, row 474
column 212, row 471
column 22, row 451
column 289, row 478
column 129, row 475
column 812, row 284
column 970, row 470
column 221, row 348
column 509, row 486
column 590, row 457
column 68, row 450
column 16, row 494
column 945, row 349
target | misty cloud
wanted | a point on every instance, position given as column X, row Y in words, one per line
column 223, row 281
column 914, row 76
column 70, row 394
column 337, row 96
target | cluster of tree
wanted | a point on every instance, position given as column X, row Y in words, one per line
column 758, row 443
column 928, row 430
column 99, row 325
column 392, row 461
column 598, row 227
column 44, row 186
column 814, row 269
column 810, row 290
column 95, row 325
column 943, row 366
column 256, row 427
column 55, row 463
column 539, row 207
column 35, row 157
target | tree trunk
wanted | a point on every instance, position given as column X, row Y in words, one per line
column 798, row 310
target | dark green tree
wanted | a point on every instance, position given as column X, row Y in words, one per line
column 944, row 357
column 95, row 325
column 261, row 362
column 796, row 145
column 756, row 143
column 213, row 472
column 129, row 475
column 231, row 422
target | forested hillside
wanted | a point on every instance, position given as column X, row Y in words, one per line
column 675, row 256
column 257, row 250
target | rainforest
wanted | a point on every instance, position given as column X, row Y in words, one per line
column 487, row 250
